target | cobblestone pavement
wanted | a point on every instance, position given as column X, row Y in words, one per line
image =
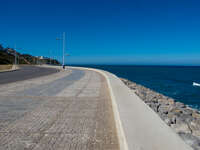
column 68, row 110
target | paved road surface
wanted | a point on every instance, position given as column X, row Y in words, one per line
column 68, row 110
column 25, row 72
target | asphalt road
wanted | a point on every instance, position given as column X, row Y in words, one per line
column 25, row 72
column 69, row 110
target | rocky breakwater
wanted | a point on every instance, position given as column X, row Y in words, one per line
column 184, row 120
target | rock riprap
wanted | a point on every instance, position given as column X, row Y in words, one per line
column 184, row 120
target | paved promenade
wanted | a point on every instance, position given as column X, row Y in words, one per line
column 67, row 110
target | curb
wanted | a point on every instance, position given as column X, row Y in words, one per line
column 11, row 70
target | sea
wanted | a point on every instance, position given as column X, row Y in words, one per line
column 172, row 81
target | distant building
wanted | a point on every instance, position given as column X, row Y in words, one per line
column 40, row 57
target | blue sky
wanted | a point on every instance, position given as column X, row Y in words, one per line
column 105, row 31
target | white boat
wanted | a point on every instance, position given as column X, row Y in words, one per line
column 195, row 84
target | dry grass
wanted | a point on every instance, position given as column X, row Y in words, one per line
column 5, row 67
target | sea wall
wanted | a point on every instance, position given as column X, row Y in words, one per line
column 184, row 120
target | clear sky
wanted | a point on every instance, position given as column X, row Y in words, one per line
column 105, row 31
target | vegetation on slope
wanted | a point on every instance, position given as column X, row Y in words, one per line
column 7, row 56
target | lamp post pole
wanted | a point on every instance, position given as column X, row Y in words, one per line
column 63, row 49
column 63, row 59
column 15, row 56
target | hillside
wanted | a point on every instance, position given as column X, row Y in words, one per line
column 7, row 56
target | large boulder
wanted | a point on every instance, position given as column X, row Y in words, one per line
column 196, row 115
column 195, row 127
column 180, row 105
column 181, row 127
column 191, row 140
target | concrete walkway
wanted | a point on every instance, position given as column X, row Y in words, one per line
column 69, row 110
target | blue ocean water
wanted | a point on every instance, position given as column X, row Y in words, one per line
column 173, row 81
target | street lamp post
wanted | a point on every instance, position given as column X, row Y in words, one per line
column 18, row 59
column 50, row 57
column 63, row 59
column 15, row 56
column 63, row 49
